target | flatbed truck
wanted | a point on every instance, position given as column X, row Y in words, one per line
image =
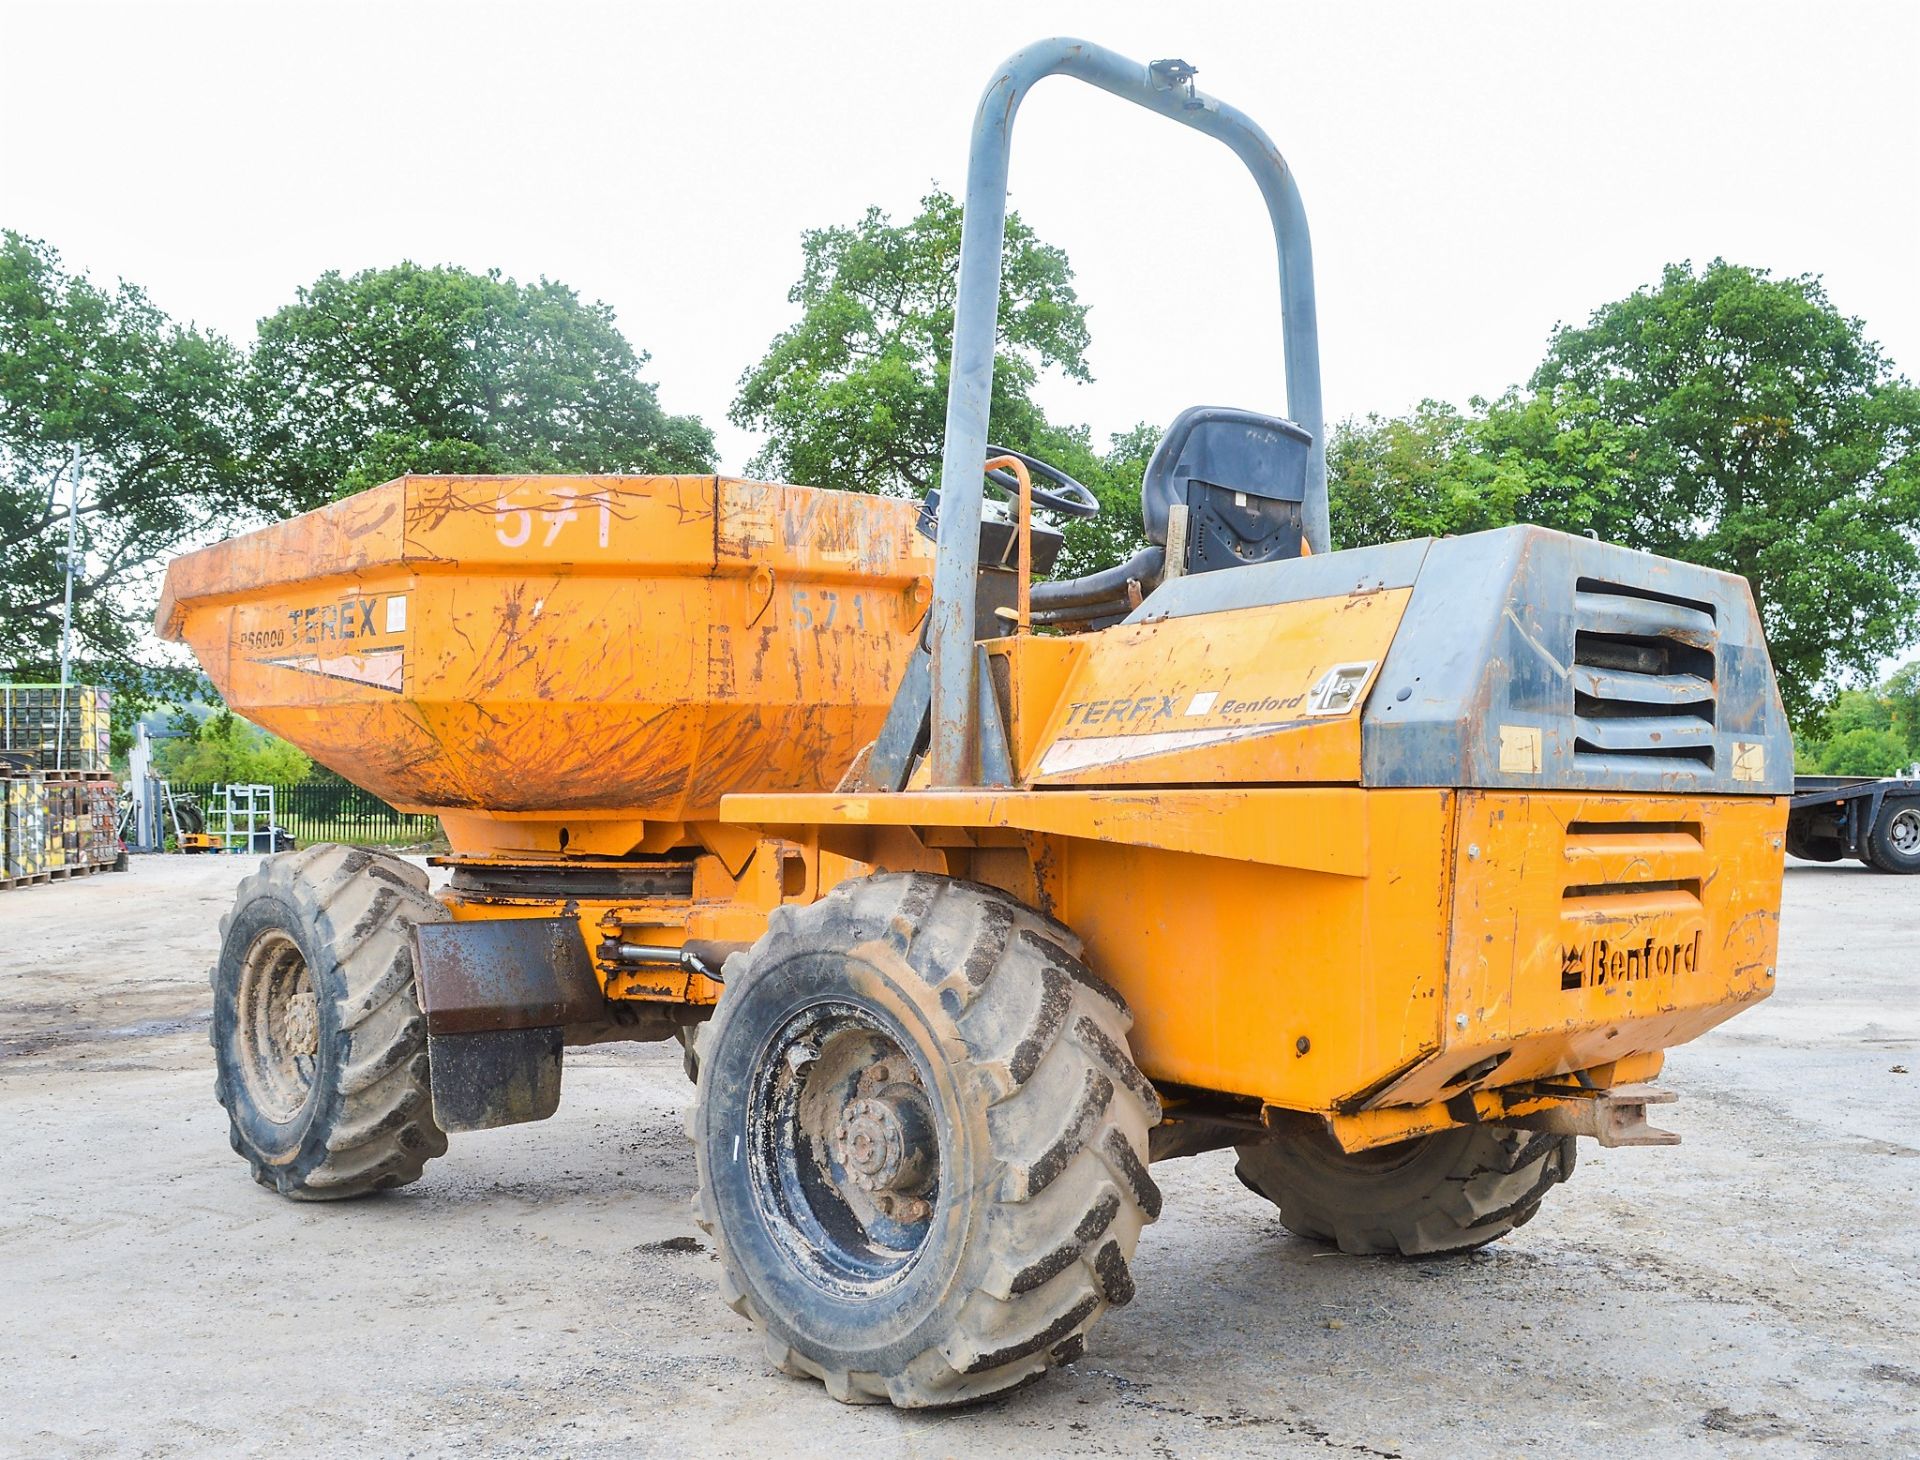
column 1874, row 819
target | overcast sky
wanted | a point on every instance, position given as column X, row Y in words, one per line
column 1473, row 173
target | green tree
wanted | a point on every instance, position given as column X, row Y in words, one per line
column 369, row 376
column 224, row 747
column 1395, row 477
column 1856, row 709
column 1722, row 417
column 1902, row 695
column 1440, row 470
column 1881, row 728
column 1738, row 420
column 1863, row 752
column 854, row 394
column 1114, row 478
column 152, row 405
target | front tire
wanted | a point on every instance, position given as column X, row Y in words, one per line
column 921, row 1142
column 318, row 1038
column 1449, row 1192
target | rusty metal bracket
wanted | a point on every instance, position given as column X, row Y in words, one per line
column 505, row 973
column 1616, row 1117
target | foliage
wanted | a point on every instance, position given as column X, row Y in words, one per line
column 1855, row 709
column 1901, row 695
column 854, row 395
column 367, row 377
column 226, row 748
column 1762, row 433
column 1390, row 478
column 1863, row 752
column 1723, row 417
column 153, row 406
column 1114, row 478
column 1867, row 734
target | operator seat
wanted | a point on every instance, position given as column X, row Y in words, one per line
column 1224, row 488
column 1242, row 478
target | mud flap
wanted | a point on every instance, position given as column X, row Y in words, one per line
column 501, row 1077
column 498, row 996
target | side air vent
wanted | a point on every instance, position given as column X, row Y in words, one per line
column 1643, row 680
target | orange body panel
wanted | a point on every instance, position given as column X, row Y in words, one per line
column 1220, row 697
column 1587, row 928
column 1407, row 937
column 578, row 655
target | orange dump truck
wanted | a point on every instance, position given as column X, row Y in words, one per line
column 1396, row 869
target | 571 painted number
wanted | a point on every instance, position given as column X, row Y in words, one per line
column 513, row 526
column 804, row 614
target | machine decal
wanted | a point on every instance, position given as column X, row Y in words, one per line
column 345, row 634
column 1151, row 708
column 1520, row 749
column 381, row 668
column 1336, row 692
column 1604, row 962
column 1091, row 750
column 1129, row 727
column 513, row 526
column 1339, row 689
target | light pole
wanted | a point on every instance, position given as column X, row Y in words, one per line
column 66, row 613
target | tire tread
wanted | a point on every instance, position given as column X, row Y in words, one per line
column 382, row 1131
column 1074, row 1191
column 1493, row 1180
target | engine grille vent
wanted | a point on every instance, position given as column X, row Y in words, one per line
column 1643, row 679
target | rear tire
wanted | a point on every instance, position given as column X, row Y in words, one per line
column 1449, row 1192
column 921, row 1142
column 318, row 1038
column 1894, row 844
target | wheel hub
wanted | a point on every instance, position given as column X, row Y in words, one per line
column 278, row 1027
column 871, row 1143
column 1905, row 833
column 303, row 1025
column 847, row 1165
column 885, row 1141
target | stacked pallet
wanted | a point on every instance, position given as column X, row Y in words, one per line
column 61, row 815
column 55, row 728
column 56, row 824
column 26, row 848
column 101, row 847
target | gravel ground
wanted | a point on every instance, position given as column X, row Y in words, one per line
column 543, row 1289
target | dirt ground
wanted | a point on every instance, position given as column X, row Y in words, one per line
column 543, row 1290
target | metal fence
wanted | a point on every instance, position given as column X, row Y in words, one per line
column 328, row 811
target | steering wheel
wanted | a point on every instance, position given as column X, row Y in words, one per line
column 1072, row 500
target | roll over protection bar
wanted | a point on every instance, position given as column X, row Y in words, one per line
column 1165, row 87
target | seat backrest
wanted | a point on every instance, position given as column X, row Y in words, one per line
column 1242, row 477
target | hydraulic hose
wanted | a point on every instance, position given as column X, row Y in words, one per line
column 1107, row 586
